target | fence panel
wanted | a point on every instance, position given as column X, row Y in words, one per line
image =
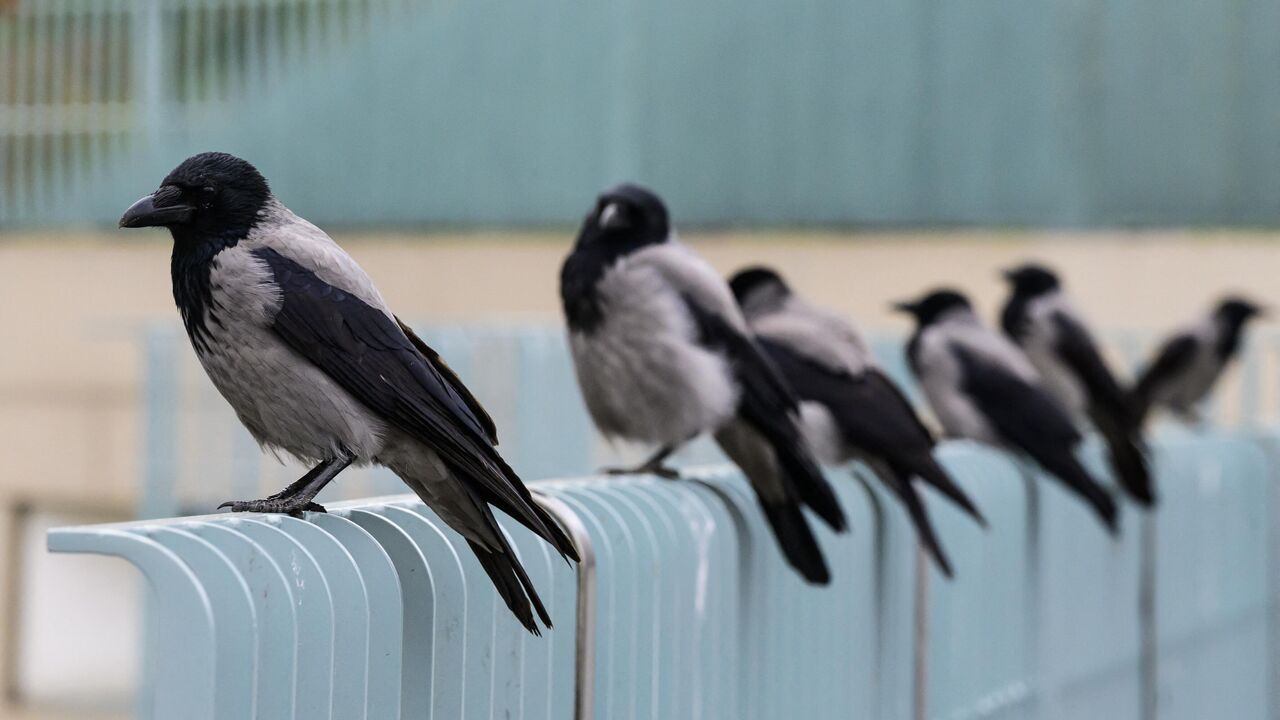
column 684, row 606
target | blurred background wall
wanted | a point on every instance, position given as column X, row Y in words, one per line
column 868, row 148
column 397, row 113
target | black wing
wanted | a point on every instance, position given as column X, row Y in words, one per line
column 1077, row 349
column 1174, row 358
column 455, row 382
column 1029, row 419
column 1110, row 408
column 367, row 353
column 873, row 415
column 768, row 406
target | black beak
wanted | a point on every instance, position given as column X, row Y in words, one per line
column 905, row 306
column 1009, row 274
column 612, row 217
column 145, row 213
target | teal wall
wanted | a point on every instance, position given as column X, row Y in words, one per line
column 911, row 112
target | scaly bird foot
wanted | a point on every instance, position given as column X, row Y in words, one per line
column 661, row 471
column 285, row 506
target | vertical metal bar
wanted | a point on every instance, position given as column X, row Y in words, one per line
column 921, row 659
column 160, row 451
column 585, row 660
column 1147, row 628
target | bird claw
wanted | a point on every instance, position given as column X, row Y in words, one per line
column 278, row 506
column 661, row 471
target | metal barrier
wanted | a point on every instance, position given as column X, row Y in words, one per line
column 197, row 454
column 683, row 608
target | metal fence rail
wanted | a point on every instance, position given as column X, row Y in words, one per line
column 197, row 454
column 684, row 608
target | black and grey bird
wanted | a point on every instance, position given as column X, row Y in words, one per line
column 982, row 387
column 1042, row 320
column 851, row 410
column 1190, row 363
column 663, row 354
column 297, row 339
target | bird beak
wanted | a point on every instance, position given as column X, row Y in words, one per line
column 1008, row 274
column 147, row 213
column 612, row 217
column 904, row 306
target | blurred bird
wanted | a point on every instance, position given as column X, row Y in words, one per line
column 1190, row 362
column 1042, row 321
column 663, row 354
column 851, row 410
column 296, row 337
column 982, row 387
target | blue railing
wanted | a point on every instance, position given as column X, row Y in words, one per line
column 684, row 608
column 197, row 454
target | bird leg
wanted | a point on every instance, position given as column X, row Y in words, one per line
column 652, row 466
column 298, row 496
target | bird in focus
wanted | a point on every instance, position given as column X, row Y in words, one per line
column 982, row 387
column 1190, row 362
column 663, row 354
column 298, row 340
column 1041, row 319
column 850, row 409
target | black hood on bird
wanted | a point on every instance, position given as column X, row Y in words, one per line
column 209, row 203
column 933, row 305
column 1032, row 280
column 624, row 219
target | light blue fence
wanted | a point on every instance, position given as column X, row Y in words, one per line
column 683, row 607
column 197, row 454
column 394, row 113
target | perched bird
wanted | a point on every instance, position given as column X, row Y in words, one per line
column 982, row 387
column 1190, row 362
column 851, row 410
column 296, row 337
column 1042, row 321
column 663, row 354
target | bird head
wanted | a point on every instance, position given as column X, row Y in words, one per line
column 626, row 215
column 1237, row 310
column 934, row 305
column 1031, row 279
column 210, row 195
column 759, row 287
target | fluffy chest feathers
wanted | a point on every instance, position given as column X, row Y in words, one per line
column 283, row 400
column 643, row 372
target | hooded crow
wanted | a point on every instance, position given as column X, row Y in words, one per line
column 1042, row 321
column 297, row 339
column 851, row 410
column 1190, row 363
column 663, row 354
column 982, row 387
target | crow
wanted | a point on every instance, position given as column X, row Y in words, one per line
column 297, row 339
column 851, row 410
column 1042, row 321
column 663, row 354
column 982, row 387
column 1190, row 363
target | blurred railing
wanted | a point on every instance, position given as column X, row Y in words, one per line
column 197, row 454
column 685, row 609
column 89, row 88
column 391, row 112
